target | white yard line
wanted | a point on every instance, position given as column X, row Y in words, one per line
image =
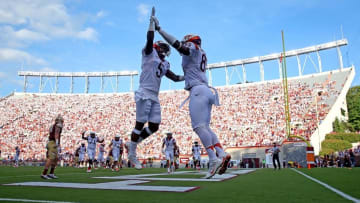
column 346, row 196
column 30, row 200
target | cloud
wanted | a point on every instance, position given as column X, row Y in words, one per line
column 88, row 34
column 101, row 14
column 3, row 75
column 39, row 20
column 143, row 12
column 22, row 37
column 47, row 69
column 14, row 55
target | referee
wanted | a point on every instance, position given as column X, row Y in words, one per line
column 275, row 152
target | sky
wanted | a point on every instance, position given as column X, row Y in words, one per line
column 97, row 35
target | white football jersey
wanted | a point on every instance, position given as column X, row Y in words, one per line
column 116, row 144
column 194, row 66
column 152, row 70
column 92, row 142
column 170, row 144
column 101, row 149
column 196, row 150
column 82, row 150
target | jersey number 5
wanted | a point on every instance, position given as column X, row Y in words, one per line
column 159, row 71
column 203, row 63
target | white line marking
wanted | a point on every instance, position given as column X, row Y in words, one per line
column 29, row 200
column 119, row 185
column 346, row 196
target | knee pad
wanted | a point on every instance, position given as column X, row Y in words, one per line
column 153, row 127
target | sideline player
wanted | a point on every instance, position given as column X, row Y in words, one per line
column 17, row 156
column 82, row 152
column 153, row 68
column 100, row 158
column 196, row 150
column 116, row 145
column 92, row 139
column 76, row 158
column 52, row 148
column 170, row 144
column 194, row 63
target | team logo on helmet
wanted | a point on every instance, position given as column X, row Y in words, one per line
column 162, row 48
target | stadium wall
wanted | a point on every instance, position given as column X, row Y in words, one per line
column 325, row 126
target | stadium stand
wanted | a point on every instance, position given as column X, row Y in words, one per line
column 250, row 114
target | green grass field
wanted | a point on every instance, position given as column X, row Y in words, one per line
column 262, row 185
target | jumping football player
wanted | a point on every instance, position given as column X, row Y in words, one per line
column 92, row 139
column 52, row 148
column 153, row 68
column 194, row 63
column 170, row 144
column 116, row 144
column 196, row 150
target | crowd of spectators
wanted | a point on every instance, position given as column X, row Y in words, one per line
column 346, row 158
column 249, row 115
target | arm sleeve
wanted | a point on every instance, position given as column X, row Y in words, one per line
column 149, row 42
column 175, row 43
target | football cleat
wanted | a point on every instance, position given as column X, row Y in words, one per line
column 88, row 171
column 225, row 163
column 46, row 177
column 52, row 176
column 135, row 162
column 213, row 168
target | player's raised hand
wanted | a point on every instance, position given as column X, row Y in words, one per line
column 156, row 21
column 153, row 11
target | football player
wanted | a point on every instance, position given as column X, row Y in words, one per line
column 92, row 139
column 116, row 144
column 82, row 151
column 109, row 159
column 170, row 144
column 201, row 97
column 196, row 150
column 100, row 158
column 153, row 68
column 176, row 156
column 17, row 156
column 76, row 159
column 52, row 148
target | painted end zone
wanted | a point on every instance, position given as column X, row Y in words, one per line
column 131, row 182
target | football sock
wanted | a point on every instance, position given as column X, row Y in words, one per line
column 132, row 150
column 45, row 171
column 52, row 170
column 211, row 153
column 216, row 143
